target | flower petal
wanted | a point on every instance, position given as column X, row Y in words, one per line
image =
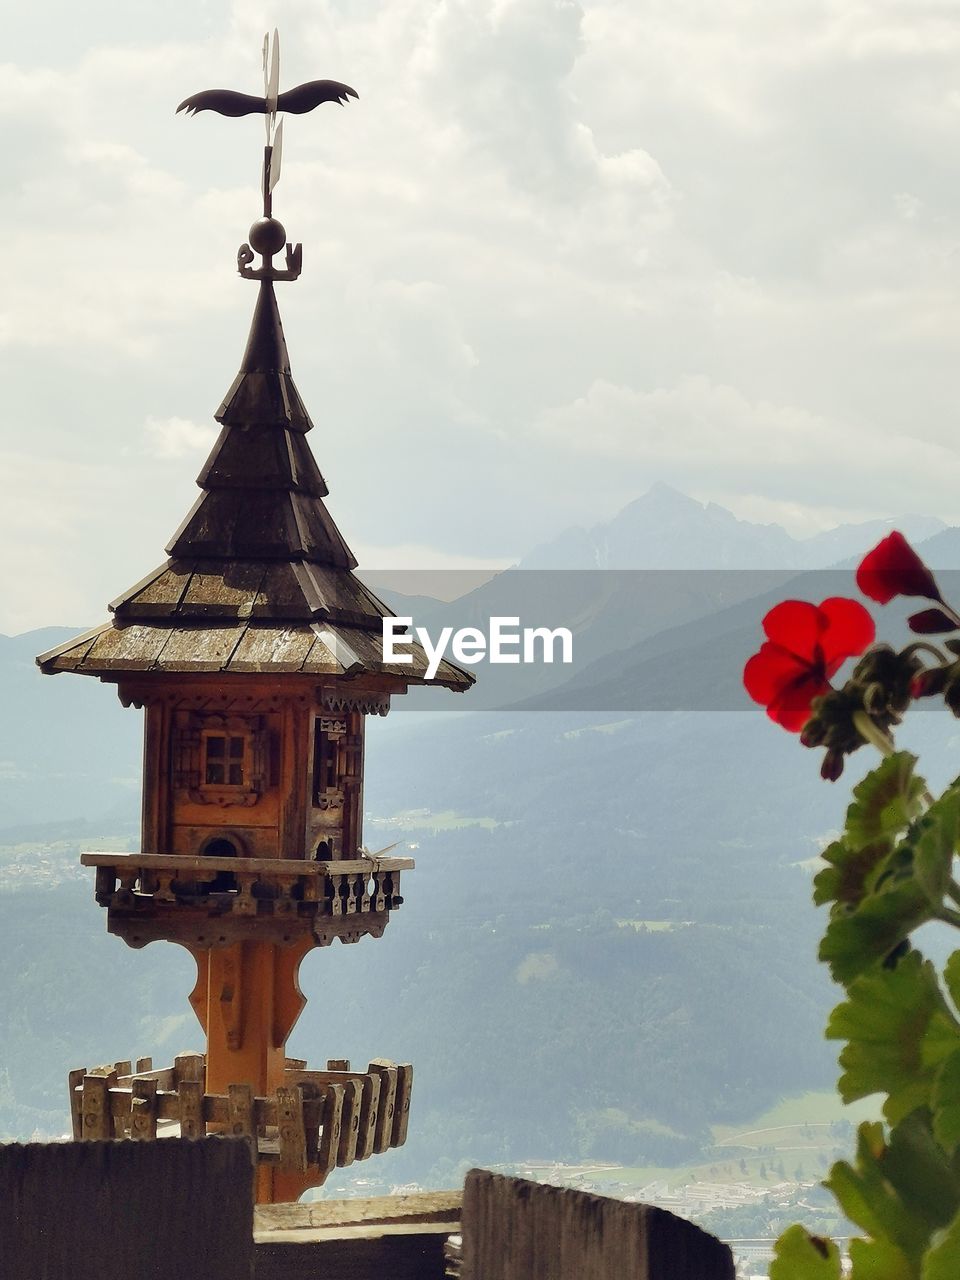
column 771, row 670
column 848, row 631
column 795, row 625
column 893, row 568
column 791, row 707
column 930, row 622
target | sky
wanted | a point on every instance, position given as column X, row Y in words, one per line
column 556, row 252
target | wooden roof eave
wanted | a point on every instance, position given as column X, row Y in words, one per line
column 245, row 648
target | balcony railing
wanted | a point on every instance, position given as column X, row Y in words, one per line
column 315, row 1122
column 211, row 901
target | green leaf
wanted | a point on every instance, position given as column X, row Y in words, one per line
column 942, row 1260
column 868, row 1199
column 919, row 1171
column 945, row 1103
column 884, row 1021
column 797, row 1255
column 854, row 942
column 848, row 870
column 951, row 974
column 879, row 1260
column 884, row 803
column 935, row 844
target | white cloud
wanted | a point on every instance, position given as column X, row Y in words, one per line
column 169, row 438
column 720, row 237
column 714, row 434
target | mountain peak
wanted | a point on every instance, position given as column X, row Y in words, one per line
column 667, row 529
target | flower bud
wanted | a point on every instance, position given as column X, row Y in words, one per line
column 930, row 682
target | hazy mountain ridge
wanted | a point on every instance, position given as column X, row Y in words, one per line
column 619, row 903
column 665, row 529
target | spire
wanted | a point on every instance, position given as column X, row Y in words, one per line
column 262, row 490
column 260, row 578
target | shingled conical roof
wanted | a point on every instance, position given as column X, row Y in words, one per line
column 260, row 578
column 262, row 491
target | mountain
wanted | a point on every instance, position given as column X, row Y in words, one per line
column 665, row 529
column 610, row 912
column 67, row 747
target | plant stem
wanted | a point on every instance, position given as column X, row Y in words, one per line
column 924, row 644
column 871, row 732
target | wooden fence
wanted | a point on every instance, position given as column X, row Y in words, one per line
column 179, row 1209
column 127, row 1210
column 519, row 1230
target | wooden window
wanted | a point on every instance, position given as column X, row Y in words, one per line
column 219, row 759
column 226, row 759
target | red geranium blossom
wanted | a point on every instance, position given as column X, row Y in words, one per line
column 806, row 644
column 893, row 568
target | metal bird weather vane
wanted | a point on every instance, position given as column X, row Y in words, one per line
column 267, row 235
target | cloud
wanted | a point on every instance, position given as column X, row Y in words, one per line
column 713, row 435
column 169, row 438
column 558, row 249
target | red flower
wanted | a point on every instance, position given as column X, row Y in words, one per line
column 806, row 645
column 893, row 568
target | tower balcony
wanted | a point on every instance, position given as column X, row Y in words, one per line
column 205, row 902
column 314, row 1122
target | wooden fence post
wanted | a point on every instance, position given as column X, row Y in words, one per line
column 519, row 1230
column 119, row 1210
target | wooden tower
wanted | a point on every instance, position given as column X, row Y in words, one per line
column 256, row 654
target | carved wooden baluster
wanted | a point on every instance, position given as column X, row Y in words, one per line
column 164, row 891
column 76, row 1102
column 293, row 1138
column 106, row 883
column 349, row 1123
column 401, row 1109
column 143, row 1110
column 285, row 903
column 387, row 1071
column 378, row 899
column 369, row 1108
column 335, row 894
column 330, row 1136
column 244, row 904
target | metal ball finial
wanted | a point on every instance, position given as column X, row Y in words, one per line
column 267, row 236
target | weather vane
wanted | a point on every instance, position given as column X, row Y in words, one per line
column 267, row 235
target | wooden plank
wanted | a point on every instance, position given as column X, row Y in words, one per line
column 181, row 863
column 518, row 1230
column 292, row 1135
column 401, row 1108
column 164, row 1210
column 422, row 1206
column 143, row 1110
column 330, row 1134
column 135, row 647
column 369, row 1108
column 274, row 648
column 75, row 1081
column 191, row 1109
column 365, row 1253
column 349, row 1123
column 95, row 1109
column 199, row 648
column 387, row 1071
column 164, row 1076
column 240, row 1107
column 189, row 1066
